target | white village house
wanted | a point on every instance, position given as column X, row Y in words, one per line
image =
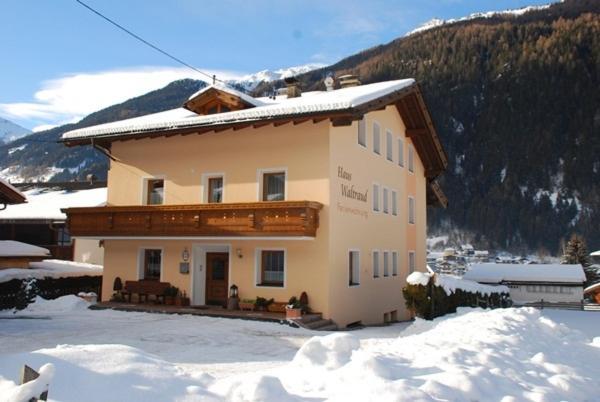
column 533, row 282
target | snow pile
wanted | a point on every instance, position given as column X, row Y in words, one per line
column 51, row 269
column 61, row 305
column 329, row 352
column 12, row 248
column 451, row 283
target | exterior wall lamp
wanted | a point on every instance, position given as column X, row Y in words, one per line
column 238, row 252
column 185, row 255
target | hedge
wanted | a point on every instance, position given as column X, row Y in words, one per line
column 18, row 293
column 432, row 301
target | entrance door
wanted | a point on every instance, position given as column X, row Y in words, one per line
column 217, row 279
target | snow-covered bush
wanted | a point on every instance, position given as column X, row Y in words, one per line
column 434, row 295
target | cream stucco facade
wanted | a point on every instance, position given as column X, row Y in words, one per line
column 318, row 160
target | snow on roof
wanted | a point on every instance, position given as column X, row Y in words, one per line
column 498, row 273
column 12, row 188
column 51, row 269
column 595, row 253
column 451, row 283
column 325, row 101
column 246, row 98
column 11, row 248
column 46, row 203
column 592, row 288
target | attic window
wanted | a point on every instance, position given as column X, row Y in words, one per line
column 216, row 100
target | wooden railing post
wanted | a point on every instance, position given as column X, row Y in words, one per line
column 28, row 374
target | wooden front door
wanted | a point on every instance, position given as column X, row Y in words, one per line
column 217, row 278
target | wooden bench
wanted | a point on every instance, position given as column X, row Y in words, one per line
column 144, row 289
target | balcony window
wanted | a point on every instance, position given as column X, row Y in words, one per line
column 152, row 261
column 273, row 186
column 272, row 268
column 155, row 192
column 215, row 189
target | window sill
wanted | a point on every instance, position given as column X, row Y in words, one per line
column 376, row 277
column 269, row 285
column 353, row 285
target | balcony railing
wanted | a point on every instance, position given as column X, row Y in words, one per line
column 258, row 219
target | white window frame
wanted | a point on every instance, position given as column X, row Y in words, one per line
column 145, row 180
column 260, row 177
column 375, row 263
column 394, row 263
column 411, row 158
column 411, row 210
column 385, row 195
column 357, row 268
column 362, row 129
column 394, row 194
column 376, row 138
column 376, row 204
column 140, row 261
column 389, row 146
column 412, row 261
column 386, row 263
column 400, row 152
column 205, row 178
column 258, row 266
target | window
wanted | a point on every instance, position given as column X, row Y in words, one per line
column 376, row 197
column 362, row 132
column 394, row 203
column 155, row 193
column 411, row 158
column 411, row 262
column 272, row 268
column 353, row 268
column 386, row 209
column 273, row 186
column 63, row 237
column 386, row 263
column 152, row 261
column 394, row 263
column 215, row 189
column 388, row 146
column 411, row 210
column 400, row 152
column 375, row 264
column 376, row 139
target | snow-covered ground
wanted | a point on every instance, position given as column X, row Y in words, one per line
column 475, row 355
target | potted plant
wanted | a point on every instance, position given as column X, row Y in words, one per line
column 182, row 299
column 293, row 309
column 261, row 303
column 170, row 294
column 247, row 304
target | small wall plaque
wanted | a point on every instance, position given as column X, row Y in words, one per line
column 184, row 267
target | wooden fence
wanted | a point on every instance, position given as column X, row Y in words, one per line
column 581, row 305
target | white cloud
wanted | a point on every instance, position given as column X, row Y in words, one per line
column 73, row 96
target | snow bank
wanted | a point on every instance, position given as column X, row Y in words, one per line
column 451, row 283
column 61, row 305
column 330, row 352
column 51, row 269
column 30, row 390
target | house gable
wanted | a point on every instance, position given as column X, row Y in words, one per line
column 213, row 100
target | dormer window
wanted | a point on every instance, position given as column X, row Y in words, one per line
column 218, row 99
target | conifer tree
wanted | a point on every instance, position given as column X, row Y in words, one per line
column 576, row 252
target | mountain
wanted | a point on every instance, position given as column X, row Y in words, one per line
column 514, row 97
column 250, row 82
column 10, row 131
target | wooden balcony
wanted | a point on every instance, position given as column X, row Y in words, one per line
column 257, row 219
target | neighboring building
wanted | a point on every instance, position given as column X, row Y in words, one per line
column 14, row 254
column 9, row 195
column 595, row 257
column 533, row 282
column 593, row 292
column 40, row 221
column 323, row 192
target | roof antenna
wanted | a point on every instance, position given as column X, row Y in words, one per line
column 214, row 79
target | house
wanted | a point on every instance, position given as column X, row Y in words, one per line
column 322, row 192
column 533, row 282
column 40, row 221
column 14, row 254
column 593, row 292
column 9, row 195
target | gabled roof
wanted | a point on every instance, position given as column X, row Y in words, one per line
column 216, row 90
column 9, row 195
column 341, row 106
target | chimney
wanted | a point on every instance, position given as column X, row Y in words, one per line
column 293, row 87
column 329, row 83
column 349, row 80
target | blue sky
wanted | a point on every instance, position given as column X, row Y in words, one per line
column 55, row 53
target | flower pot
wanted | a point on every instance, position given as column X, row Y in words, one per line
column 169, row 300
column 246, row 306
column 276, row 307
column 291, row 313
